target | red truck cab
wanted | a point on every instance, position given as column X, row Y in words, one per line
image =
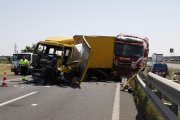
column 130, row 54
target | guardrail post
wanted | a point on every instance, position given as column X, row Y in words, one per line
column 174, row 108
column 159, row 94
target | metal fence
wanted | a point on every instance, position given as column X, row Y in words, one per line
column 163, row 93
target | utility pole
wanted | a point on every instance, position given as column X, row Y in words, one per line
column 15, row 48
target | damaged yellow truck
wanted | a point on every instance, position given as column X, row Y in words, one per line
column 111, row 58
column 50, row 59
column 86, row 57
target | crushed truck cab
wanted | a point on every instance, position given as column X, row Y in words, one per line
column 50, row 59
column 131, row 54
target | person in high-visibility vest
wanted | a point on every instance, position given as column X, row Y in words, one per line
column 24, row 63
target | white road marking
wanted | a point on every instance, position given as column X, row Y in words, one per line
column 47, row 86
column 116, row 111
column 15, row 85
column 22, row 87
column 18, row 98
column 34, row 105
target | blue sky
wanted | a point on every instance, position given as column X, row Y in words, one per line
column 28, row 21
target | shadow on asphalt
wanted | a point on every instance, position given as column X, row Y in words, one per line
column 63, row 85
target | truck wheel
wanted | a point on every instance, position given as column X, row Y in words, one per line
column 35, row 81
column 16, row 73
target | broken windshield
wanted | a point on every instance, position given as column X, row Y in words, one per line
column 48, row 50
column 128, row 50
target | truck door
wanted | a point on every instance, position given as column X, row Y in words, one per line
column 84, row 51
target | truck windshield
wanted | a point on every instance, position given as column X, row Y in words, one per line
column 128, row 50
column 17, row 57
column 48, row 50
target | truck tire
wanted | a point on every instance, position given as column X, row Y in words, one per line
column 16, row 73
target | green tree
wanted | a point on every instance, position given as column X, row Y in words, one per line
column 29, row 48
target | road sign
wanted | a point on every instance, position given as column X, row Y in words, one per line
column 171, row 50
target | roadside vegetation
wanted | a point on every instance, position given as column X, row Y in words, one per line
column 171, row 73
column 5, row 59
column 146, row 109
column 5, row 66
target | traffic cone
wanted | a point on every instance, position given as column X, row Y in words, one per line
column 4, row 84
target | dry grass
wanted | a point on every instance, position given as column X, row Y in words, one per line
column 5, row 68
column 144, row 105
column 171, row 73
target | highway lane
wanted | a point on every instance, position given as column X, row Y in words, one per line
column 94, row 101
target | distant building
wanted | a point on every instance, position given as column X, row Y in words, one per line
column 172, row 58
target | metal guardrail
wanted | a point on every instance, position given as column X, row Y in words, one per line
column 167, row 88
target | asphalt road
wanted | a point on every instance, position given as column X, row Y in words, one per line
column 94, row 101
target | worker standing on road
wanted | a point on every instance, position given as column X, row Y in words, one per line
column 24, row 63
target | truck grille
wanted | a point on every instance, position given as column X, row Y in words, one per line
column 123, row 68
